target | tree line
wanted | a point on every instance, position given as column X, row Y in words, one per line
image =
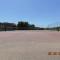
column 21, row 25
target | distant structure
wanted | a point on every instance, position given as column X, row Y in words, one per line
column 7, row 26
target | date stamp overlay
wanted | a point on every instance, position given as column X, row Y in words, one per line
column 53, row 53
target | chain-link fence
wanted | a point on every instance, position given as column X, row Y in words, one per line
column 54, row 26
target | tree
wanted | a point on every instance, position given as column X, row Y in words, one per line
column 25, row 26
column 22, row 25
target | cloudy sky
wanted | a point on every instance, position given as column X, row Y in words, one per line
column 38, row 12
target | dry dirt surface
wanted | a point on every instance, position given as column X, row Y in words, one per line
column 29, row 45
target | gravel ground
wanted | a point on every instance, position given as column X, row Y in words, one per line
column 29, row 45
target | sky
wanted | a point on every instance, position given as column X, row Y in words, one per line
column 38, row 12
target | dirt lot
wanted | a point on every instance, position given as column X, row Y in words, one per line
column 29, row 45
